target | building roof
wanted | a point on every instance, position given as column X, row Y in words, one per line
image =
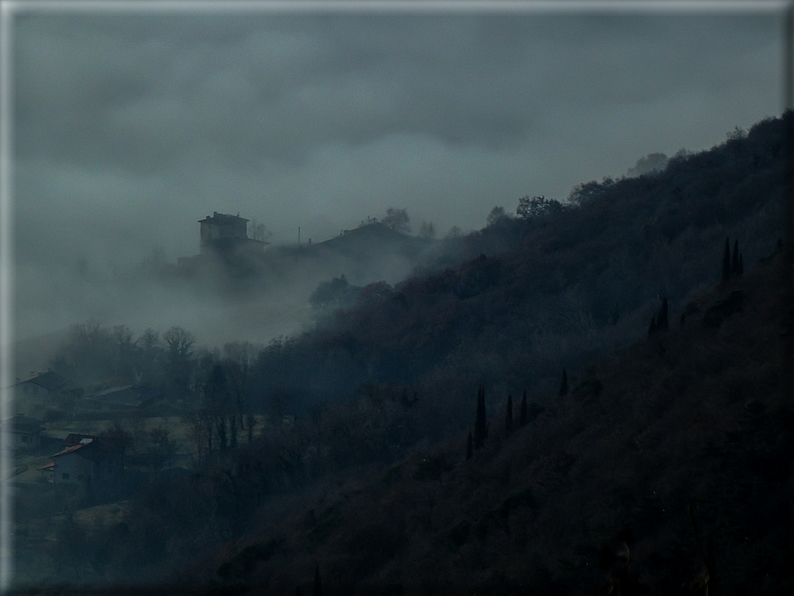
column 22, row 424
column 125, row 396
column 93, row 448
column 49, row 380
column 222, row 219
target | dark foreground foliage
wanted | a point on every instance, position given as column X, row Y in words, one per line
column 674, row 476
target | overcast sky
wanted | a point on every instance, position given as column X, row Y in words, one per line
column 130, row 125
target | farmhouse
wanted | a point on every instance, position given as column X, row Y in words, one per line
column 87, row 460
column 123, row 398
column 24, row 434
column 226, row 235
column 48, row 384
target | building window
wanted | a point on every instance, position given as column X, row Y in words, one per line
column 65, row 476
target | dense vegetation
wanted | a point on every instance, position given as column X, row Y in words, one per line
column 664, row 470
column 692, row 415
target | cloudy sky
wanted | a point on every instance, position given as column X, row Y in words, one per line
column 132, row 124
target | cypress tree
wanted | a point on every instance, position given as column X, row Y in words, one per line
column 735, row 258
column 509, row 416
column 317, row 588
column 564, row 384
column 480, row 426
column 661, row 320
column 469, row 450
column 522, row 418
column 652, row 327
column 726, row 261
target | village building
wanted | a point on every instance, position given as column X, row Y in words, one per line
column 226, row 235
column 87, row 460
column 124, row 398
column 48, row 384
column 24, row 434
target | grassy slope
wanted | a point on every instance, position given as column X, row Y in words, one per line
column 695, row 418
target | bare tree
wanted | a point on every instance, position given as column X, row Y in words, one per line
column 238, row 361
column 123, row 353
column 179, row 356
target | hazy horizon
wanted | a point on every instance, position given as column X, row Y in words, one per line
column 130, row 127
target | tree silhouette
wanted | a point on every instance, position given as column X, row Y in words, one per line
column 522, row 417
column 735, row 258
column 480, row 426
column 397, row 219
column 652, row 328
column 564, row 384
column 662, row 322
column 509, row 415
column 317, row 588
column 537, row 207
column 726, row 261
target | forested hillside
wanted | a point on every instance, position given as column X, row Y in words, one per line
column 673, row 396
column 665, row 469
column 549, row 288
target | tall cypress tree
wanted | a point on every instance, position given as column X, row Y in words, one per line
column 662, row 322
column 735, row 258
column 480, row 425
column 317, row 588
column 509, row 415
column 726, row 260
column 522, row 417
column 564, row 384
column 652, row 328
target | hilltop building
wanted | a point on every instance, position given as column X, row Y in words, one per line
column 226, row 235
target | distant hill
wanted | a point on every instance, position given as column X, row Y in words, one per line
column 365, row 237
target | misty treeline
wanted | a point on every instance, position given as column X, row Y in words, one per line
column 396, row 367
column 550, row 286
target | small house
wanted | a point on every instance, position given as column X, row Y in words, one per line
column 48, row 384
column 87, row 460
column 24, row 434
column 123, row 398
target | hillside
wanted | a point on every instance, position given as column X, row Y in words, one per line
column 592, row 492
column 345, row 446
column 508, row 307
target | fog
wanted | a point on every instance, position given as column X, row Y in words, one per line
column 130, row 127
